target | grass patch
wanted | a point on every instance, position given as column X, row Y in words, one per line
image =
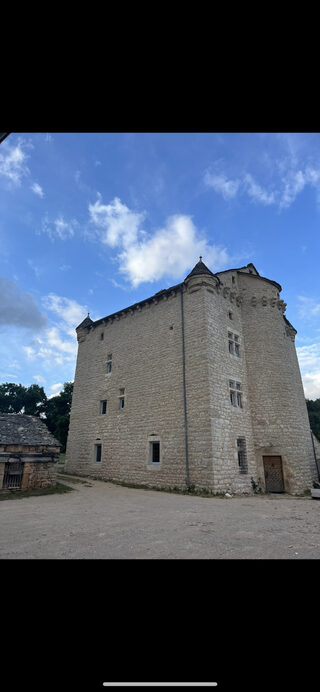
column 19, row 494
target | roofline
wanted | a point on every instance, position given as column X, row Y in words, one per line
column 157, row 296
column 166, row 291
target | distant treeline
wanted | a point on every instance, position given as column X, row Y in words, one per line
column 314, row 416
column 55, row 411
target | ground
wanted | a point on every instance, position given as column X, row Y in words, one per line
column 103, row 520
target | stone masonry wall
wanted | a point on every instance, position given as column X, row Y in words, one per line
column 147, row 362
column 276, row 397
column 146, row 348
column 228, row 423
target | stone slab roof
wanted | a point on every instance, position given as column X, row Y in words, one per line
column 19, row 429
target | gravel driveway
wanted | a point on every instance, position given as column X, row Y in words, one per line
column 102, row 520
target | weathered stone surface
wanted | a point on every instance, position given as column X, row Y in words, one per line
column 146, row 348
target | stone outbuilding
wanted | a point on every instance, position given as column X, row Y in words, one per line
column 28, row 453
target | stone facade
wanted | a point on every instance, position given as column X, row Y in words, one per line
column 207, row 369
column 28, row 453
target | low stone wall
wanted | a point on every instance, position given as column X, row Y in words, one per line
column 39, row 467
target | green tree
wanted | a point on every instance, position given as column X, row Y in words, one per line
column 314, row 416
column 57, row 411
column 15, row 398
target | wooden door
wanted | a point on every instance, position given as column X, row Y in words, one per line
column 273, row 474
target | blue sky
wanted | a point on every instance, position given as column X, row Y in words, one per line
column 94, row 222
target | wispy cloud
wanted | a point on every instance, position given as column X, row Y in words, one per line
column 146, row 257
column 59, row 228
column 13, row 162
column 37, row 189
column 309, row 361
column 222, row 185
column 308, row 308
column 275, row 177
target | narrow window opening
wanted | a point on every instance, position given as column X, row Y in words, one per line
column 101, row 336
column 155, row 452
column 103, row 407
column 121, row 398
column 109, row 362
column 97, row 453
column 242, row 455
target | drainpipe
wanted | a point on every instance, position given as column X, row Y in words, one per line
column 315, row 456
column 184, row 390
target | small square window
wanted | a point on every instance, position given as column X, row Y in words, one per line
column 155, row 452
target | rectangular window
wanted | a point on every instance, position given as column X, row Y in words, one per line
column 97, row 453
column 233, row 341
column 109, row 362
column 103, row 407
column 242, row 454
column 121, row 399
column 155, row 452
column 101, row 336
column 235, row 393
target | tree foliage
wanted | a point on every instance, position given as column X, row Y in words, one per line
column 314, row 416
column 15, row 398
column 55, row 412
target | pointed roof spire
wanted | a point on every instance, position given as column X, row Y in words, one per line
column 200, row 268
column 87, row 322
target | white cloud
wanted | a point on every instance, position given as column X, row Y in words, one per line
column 59, row 228
column 255, row 191
column 69, row 311
column 309, row 361
column 308, row 307
column 39, row 379
column 55, row 389
column 219, row 182
column 37, row 189
column 13, row 162
column 286, row 177
column 169, row 252
column 119, row 225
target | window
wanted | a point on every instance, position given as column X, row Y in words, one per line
column 230, row 315
column 154, row 452
column 233, row 280
column 235, row 394
column 242, row 454
column 109, row 362
column 97, row 453
column 121, row 399
column 234, row 347
column 101, row 336
column 103, row 407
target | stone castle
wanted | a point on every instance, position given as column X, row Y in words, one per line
column 197, row 385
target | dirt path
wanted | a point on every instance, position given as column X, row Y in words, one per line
column 102, row 520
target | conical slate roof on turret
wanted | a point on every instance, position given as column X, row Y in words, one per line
column 86, row 322
column 199, row 268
